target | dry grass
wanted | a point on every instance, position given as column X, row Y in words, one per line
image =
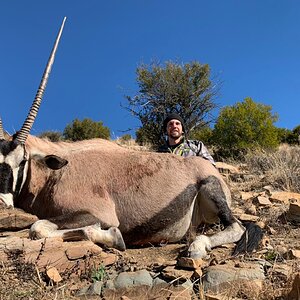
column 280, row 167
column 22, row 280
column 133, row 145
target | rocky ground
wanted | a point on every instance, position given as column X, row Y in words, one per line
column 53, row 269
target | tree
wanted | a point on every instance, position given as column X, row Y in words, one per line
column 293, row 138
column 284, row 135
column 53, row 136
column 182, row 88
column 296, row 130
column 142, row 137
column 86, row 129
column 245, row 125
column 126, row 137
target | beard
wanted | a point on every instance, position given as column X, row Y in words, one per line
column 175, row 134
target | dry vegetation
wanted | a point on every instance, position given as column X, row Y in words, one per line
column 281, row 170
column 280, row 167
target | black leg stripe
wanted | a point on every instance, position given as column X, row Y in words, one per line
column 212, row 188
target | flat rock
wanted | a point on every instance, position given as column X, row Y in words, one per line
column 76, row 252
column 247, row 195
column 23, row 233
column 284, row 197
column 108, row 259
column 159, row 292
column 133, row 279
column 262, row 201
column 249, row 218
column 49, row 252
column 220, row 278
column 53, row 274
column 15, row 219
column 269, row 189
column 189, row 263
column 172, row 273
column 293, row 213
column 237, row 211
column 90, row 292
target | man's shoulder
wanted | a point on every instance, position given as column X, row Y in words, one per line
column 195, row 143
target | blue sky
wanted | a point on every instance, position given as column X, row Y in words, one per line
column 253, row 47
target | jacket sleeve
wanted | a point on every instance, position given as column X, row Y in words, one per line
column 202, row 151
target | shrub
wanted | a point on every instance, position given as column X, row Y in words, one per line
column 53, row 136
column 86, row 129
column 246, row 125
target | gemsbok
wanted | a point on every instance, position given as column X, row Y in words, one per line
column 97, row 190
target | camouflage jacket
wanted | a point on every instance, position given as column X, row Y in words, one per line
column 188, row 148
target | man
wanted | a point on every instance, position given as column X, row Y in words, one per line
column 177, row 143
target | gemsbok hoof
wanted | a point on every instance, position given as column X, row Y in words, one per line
column 200, row 246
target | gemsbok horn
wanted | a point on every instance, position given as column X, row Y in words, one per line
column 24, row 131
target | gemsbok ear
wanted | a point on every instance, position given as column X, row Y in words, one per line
column 55, row 162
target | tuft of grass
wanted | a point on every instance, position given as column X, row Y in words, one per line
column 271, row 255
column 98, row 274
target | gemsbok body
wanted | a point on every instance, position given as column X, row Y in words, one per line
column 97, row 190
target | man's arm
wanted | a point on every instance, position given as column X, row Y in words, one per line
column 199, row 148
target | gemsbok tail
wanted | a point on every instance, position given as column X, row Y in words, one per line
column 250, row 239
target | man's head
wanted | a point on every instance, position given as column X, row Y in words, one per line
column 174, row 127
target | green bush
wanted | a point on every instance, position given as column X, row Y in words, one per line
column 86, row 129
column 126, row 137
column 294, row 136
column 204, row 134
column 243, row 126
column 284, row 135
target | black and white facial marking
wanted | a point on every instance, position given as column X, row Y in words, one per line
column 13, row 170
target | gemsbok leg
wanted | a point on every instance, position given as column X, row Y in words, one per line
column 214, row 200
column 84, row 226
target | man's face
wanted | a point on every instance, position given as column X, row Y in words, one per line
column 174, row 129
